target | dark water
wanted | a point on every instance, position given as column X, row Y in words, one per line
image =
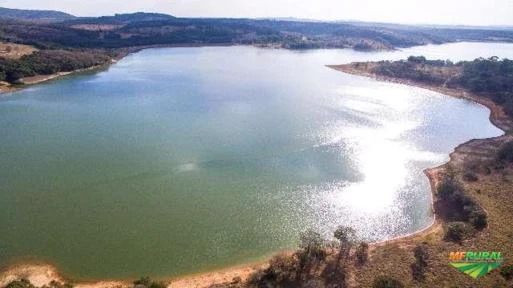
column 181, row 160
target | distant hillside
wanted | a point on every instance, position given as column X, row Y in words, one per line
column 37, row 15
column 143, row 29
column 119, row 19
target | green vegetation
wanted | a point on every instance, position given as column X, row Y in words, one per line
column 452, row 204
column 139, row 29
column 505, row 153
column 346, row 237
column 456, row 231
column 362, row 253
column 491, row 78
column 63, row 34
column 24, row 283
column 47, row 62
column 414, row 69
column 316, row 262
column 146, row 282
column 418, row 268
column 143, row 282
column 507, row 272
column 470, row 176
column 387, row 282
column 34, row 15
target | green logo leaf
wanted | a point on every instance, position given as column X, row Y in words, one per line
column 476, row 270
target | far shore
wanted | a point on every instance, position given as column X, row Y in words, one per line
column 42, row 274
column 38, row 79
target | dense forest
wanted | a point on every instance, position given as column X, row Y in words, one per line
column 47, row 62
column 492, row 78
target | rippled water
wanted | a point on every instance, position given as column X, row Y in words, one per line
column 181, row 160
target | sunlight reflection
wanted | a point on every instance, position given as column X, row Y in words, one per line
column 381, row 155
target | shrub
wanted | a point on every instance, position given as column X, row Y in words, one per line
column 146, row 282
column 311, row 247
column 417, row 59
column 256, row 278
column 454, row 205
column 478, row 219
column 470, row 177
column 505, row 153
column 447, row 188
column 456, row 232
column 282, row 268
column 419, row 267
column 507, row 272
column 23, row 283
column 362, row 253
column 387, row 282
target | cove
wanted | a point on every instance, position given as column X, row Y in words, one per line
column 182, row 160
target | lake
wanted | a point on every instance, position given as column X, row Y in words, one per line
column 182, row 160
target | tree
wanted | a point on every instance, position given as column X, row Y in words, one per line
column 456, row 231
column 417, row 59
column 311, row 250
column 447, row 188
column 362, row 253
column 478, row 219
column 505, row 153
column 418, row 268
column 346, row 236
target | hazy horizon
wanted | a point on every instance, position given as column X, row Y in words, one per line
column 434, row 12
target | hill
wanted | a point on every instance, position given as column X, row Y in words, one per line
column 118, row 19
column 34, row 15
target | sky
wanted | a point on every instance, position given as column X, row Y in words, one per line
column 445, row 12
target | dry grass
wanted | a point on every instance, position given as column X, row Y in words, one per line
column 96, row 27
column 15, row 51
column 493, row 192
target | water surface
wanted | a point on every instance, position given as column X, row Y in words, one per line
column 182, row 160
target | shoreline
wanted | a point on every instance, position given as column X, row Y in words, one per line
column 42, row 274
column 39, row 79
column 497, row 117
column 6, row 87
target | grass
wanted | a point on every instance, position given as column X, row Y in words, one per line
column 15, row 51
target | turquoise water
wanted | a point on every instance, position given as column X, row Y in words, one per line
column 177, row 161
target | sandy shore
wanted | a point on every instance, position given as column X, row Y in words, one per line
column 28, row 81
column 43, row 274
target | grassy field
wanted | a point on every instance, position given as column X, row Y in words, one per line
column 15, row 51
